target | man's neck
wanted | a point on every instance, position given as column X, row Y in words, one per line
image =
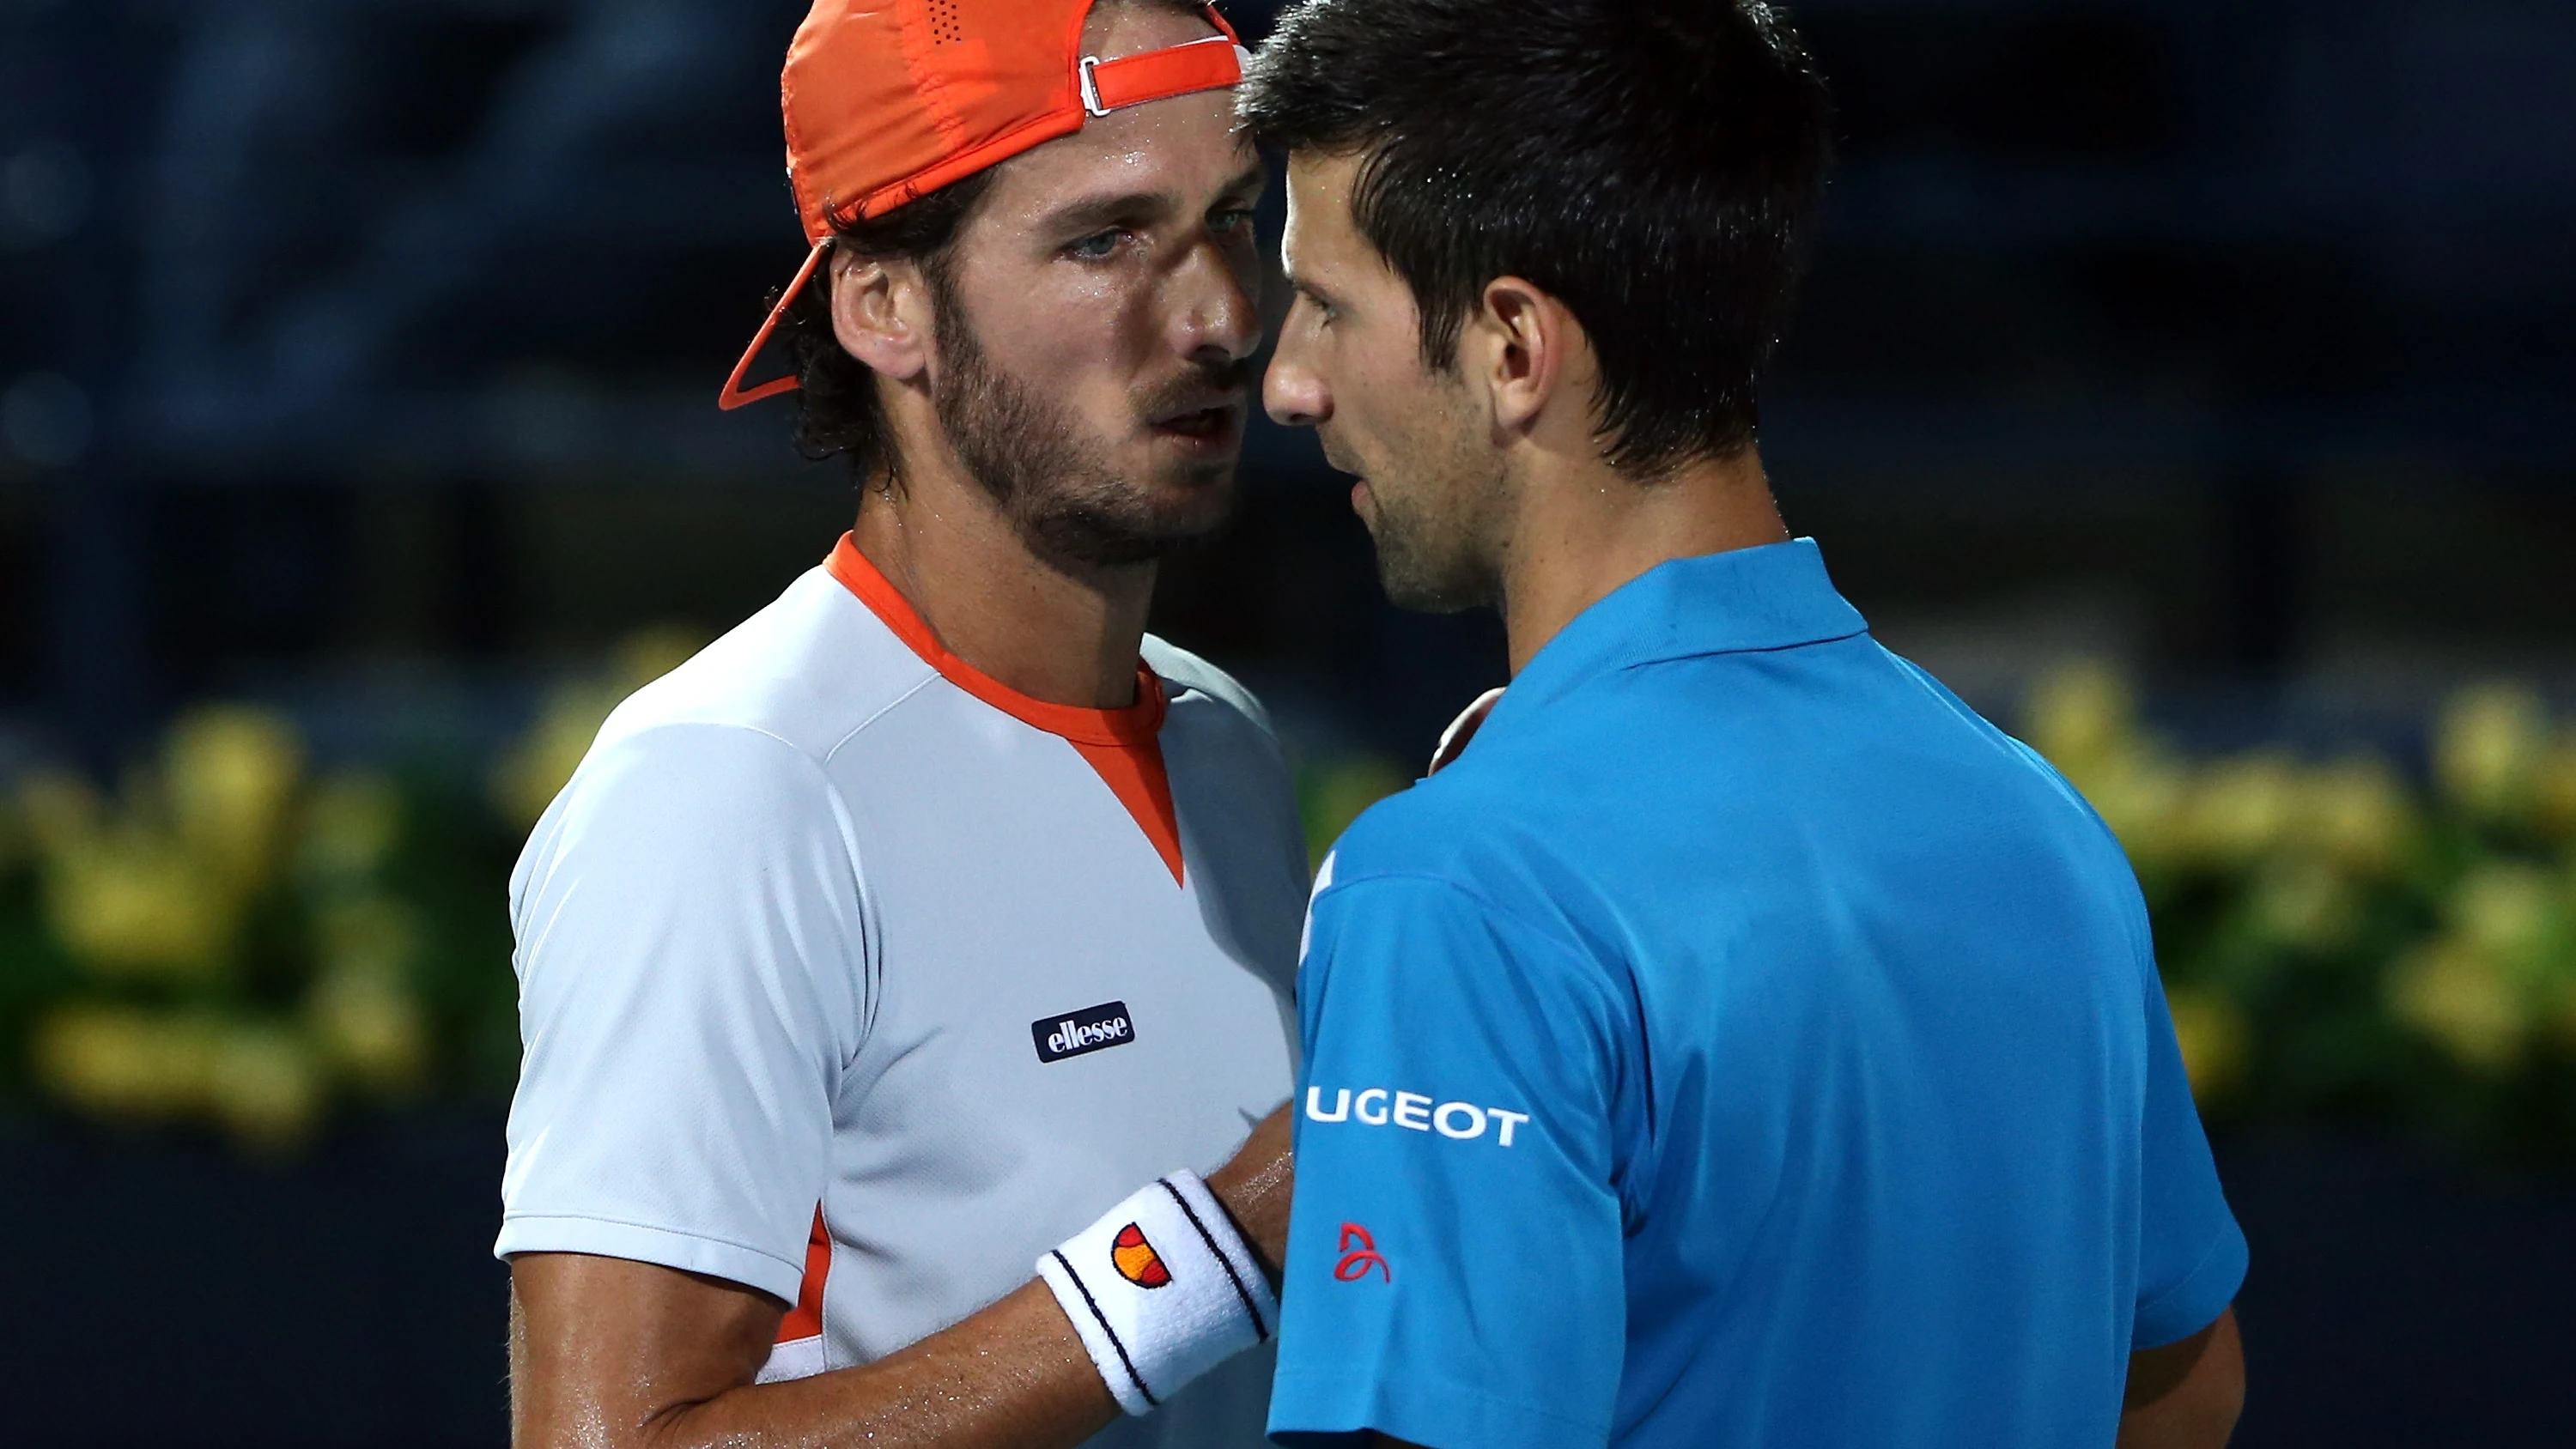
column 1581, row 530
column 1058, row 633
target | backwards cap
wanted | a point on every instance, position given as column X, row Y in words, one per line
column 887, row 101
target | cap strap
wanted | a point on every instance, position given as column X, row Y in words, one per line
column 1213, row 64
column 734, row 395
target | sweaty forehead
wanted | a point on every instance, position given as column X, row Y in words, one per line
column 1180, row 153
column 1321, row 235
column 1181, row 150
column 1118, row 28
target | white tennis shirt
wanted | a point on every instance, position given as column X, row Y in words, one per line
column 850, row 974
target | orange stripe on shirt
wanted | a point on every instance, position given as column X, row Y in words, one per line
column 1135, row 775
column 805, row 1320
column 1123, row 746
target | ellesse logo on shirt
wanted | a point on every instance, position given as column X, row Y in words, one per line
column 1092, row 1029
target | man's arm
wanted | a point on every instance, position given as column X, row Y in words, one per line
column 1456, row 1279
column 611, row 1354
column 2186, row 1395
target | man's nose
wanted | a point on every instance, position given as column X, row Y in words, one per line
column 1219, row 318
column 1292, row 392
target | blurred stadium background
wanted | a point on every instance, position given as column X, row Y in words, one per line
column 2188, row 384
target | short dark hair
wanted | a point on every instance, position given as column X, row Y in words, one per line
column 1653, row 164
column 838, row 411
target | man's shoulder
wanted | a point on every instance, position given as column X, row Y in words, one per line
column 1183, row 672
column 808, row 670
column 1454, row 830
column 740, row 730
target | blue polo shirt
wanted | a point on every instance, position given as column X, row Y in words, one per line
column 1742, row 1044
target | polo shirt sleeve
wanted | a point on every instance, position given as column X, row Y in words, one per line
column 1455, row 1251
column 2191, row 1254
column 689, row 955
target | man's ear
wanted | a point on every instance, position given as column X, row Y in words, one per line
column 881, row 313
column 1519, row 345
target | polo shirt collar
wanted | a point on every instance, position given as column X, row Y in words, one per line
column 1777, row 596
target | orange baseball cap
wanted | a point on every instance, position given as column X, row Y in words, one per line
column 888, row 100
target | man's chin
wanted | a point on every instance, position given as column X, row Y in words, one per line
column 1415, row 595
column 1178, row 511
column 1415, row 583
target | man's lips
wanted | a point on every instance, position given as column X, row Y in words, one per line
column 1212, row 419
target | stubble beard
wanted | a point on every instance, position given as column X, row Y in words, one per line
column 1439, row 532
column 1062, row 493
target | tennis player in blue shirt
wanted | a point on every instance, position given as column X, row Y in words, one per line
column 1741, row 1042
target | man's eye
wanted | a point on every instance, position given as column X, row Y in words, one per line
column 1097, row 247
column 1230, row 221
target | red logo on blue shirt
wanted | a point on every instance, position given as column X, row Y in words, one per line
column 1356, row 1262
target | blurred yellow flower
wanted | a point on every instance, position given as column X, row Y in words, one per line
column 2306, row 905
column 352, row 823
column 2508, row 911
column 265, row 1086
column 133, row 906
column 2141, row 793
column 365, row 1017
column 232, row 772
column 536, row 768
column 2487, row 749
column 366, row 933
column 2359, row 815
column 2464, row 1002
column 123, row 1062
column 2213, row 1035
column 2240, row 809
column 2079, row 713
column 2555, row 790
column 370, row 1027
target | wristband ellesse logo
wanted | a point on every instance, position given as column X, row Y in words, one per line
column 1136, row 1260
column 1092, row 1029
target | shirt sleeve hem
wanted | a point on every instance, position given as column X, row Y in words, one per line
column 1336, row 1408
column 2194, row 1303
column 662, row 1247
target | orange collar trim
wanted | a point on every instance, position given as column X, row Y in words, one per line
column 1137, row 724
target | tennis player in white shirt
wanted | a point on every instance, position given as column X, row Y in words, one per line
column 887, row 969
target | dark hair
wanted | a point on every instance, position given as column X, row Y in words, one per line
column 1651, row 163
column 838, row 411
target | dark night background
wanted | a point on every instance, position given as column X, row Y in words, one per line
column 359, row 356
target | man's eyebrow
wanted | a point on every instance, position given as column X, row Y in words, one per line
column 1092, row 213
column 1250, row 182
column 1309, row 289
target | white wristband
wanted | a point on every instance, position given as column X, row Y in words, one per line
column 1161, row 1289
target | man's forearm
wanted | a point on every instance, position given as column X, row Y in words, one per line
column 2186, row 1395
column 611, row 1354
column 1012, row 1376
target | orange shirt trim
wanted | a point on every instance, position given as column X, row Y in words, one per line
column 1123, row 746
